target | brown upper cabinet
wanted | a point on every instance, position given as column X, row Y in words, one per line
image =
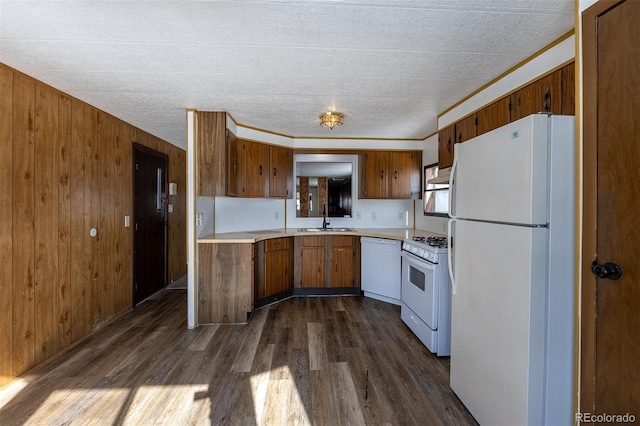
column 543, row 95
column 554, row 93
column 446, row 140
column 232, row 165
column 569, row 89
column 459, row 132
column 239, row 168
column 255, row 168
column 248, row 174
column 390, row 174
column 280, row 172
column 466, row 128
column 404, row 182
column 493, row 116
column 211, row 153
column 374, row 173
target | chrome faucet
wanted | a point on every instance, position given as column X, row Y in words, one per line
column 324, row 217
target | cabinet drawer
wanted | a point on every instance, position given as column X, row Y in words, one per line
column 313, row 241
column 341, row 241
column 276, row 244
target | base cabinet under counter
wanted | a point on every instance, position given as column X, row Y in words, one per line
column 274, row 270
column 236, row 278
column 225, row 282
column 326, row 264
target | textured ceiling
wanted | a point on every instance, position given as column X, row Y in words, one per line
column 390, row 66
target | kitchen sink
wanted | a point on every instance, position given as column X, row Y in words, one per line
column 325, row 229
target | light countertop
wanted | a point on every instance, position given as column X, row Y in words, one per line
column 255, row 236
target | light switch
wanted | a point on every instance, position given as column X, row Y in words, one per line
column 127, row 221
column 170, row 208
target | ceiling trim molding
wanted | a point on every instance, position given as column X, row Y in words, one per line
column 546, row 73
column 257, row 129
column 510, row 70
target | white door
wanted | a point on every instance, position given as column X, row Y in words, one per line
column 497, row 321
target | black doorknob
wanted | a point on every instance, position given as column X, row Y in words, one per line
column 608, row 271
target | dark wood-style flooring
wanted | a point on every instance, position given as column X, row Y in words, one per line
column 315, row 360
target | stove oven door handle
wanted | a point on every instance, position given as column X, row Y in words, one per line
column 449, row 256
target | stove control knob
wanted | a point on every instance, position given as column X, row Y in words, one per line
column 424, row 254
column 414, row 250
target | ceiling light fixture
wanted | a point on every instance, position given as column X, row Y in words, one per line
column 331, row 119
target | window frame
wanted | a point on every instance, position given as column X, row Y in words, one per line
column 427, row 190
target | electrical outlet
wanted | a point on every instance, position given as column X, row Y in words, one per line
column 374, row 216
column 358, row 215
column 400, row 215
column 199, row 219
column 277, row 216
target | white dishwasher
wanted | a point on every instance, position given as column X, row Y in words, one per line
column 381, row 269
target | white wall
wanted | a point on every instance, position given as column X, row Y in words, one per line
column 248, row 214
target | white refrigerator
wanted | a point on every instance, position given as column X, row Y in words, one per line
column 512, row 319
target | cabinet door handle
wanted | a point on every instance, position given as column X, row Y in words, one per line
column 336, row 267
column 395, row 175
column 275, row 171
column 449, row 144
column 260, row 169
column 381, row 174
column 546, row 103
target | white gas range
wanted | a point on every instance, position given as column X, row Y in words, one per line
column 426, row 292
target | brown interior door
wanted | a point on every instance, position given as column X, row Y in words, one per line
column 610, row 344
column 149, row 222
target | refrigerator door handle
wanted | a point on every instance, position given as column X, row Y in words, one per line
column 452, row 186
column 450, row 264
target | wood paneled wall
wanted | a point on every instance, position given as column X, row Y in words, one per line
column 65, row 168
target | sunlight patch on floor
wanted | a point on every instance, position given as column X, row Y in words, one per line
column 276, row 399
column 7, row 394
column 167, row 405
column 73, row 405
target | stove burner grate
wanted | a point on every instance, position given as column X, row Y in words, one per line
column 439, row 242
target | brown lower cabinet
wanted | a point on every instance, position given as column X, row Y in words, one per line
column 235, row 278
column 342, row 262
column 274, row 267
column 225, row 282
column 327, row 262
column 312, row 262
